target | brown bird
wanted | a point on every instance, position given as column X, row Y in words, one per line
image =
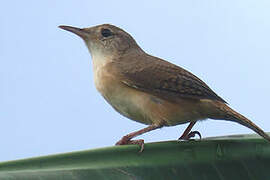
column 148, row 89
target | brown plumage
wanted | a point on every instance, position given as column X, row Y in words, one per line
column 164, row 79
column 148, row 89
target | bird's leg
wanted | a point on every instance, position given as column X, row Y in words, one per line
column 188, row 133
column 127, row 138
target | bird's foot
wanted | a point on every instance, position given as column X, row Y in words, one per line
column 190, row 135
column 126, row 140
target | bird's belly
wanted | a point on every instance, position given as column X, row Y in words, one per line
column 148, row 109
column 144, row 107
column 119, row 96
column 128, row 103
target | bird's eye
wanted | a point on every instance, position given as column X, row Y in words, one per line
column 106, row 32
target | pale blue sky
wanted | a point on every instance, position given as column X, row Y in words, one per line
column 48, row 101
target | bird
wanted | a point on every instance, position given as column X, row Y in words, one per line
column 148, row 89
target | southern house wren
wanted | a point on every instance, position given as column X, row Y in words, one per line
column 148, row 89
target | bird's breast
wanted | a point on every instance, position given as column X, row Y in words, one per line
column 126, row 100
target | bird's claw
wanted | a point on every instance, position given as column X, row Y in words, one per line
column 125, row 141
column 190, row 135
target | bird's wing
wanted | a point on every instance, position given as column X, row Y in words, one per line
column 163, row 79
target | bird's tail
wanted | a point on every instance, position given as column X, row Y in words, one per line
column 231, row 115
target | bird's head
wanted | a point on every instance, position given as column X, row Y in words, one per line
column 106, row 40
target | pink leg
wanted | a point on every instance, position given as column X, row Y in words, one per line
column 188, row 133
column 127, row 138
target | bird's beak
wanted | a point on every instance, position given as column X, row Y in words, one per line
column 78, row 31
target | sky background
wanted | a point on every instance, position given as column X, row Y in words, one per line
column 48, row 102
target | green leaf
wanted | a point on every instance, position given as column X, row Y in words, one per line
column 220, row 158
